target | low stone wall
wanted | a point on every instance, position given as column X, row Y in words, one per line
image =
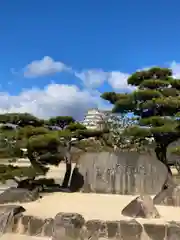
column 69, row 226
column 33, row 226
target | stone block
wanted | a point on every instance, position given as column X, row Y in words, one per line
column 113, row 229
column 141, row 206
column 130, row 230
column 155, row 232
column 9, row 215
column 67, row 226
column 48, row 227
column 173, row 231
column 34, row 226
column 173, row 197
column 96, row 229
column 13, row 195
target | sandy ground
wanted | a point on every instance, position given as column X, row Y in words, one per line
column 55, row 172
column 21, row 237
column 92, row 206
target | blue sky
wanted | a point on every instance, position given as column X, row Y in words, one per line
column 58, row 56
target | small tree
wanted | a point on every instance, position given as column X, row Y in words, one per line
column 44, row 148
column 21, row 119
column 72, row 139
column 61, row 121
column 75, row 126
column 116, row 124
column 156, row 102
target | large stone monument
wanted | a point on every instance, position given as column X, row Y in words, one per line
column 119, row 173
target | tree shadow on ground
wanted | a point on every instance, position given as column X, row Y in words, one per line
column 76, row 183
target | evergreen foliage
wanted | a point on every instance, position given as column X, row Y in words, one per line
column 44, row 146
column 156, row 103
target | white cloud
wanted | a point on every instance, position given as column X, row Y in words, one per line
column 53, row 100
column 92, row 78
column 62, row 99
column 175, row 69
column 118, row 80
column 45, row 66
column 96, row 77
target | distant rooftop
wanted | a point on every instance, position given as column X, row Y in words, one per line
column 106, row 111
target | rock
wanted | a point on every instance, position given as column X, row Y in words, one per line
column 172, row 197
column 15, row 209
column 141, row 206
column 173, row 231
column 48, row 227
column 77, row 180
column 175, row 197
column 131, row 230
column 155, row 232
column 34, row 226
column 121, row 173
column 67, row 226
column 96, row 229
column 113, row 229
column 14, row 194
column 8, row 215
column 164, row 194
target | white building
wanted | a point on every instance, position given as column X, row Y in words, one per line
column 94, row 119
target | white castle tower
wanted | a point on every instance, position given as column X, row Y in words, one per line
column 94, row 119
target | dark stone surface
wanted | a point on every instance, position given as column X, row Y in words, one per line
column 24, row 221
column 113, row 229
column 173, row 231
column 120, row 173
column 96, row 229
column 157, row 232
column 130, row 230
column 48, row 227
column 172, row 197
column 8, row 217
column 34, row 226
column 14, row 209
column 141, row 206
column 67, row 219
column 77, row 180
column 14, row 194
column 67, row 225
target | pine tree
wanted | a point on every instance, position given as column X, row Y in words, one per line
column 155, row 101
column 44, row 146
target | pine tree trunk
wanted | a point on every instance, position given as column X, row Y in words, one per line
column 161, row 153
column 168, row 186
column 67, row 175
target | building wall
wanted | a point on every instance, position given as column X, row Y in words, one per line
column 94, row 119
column 97, row 119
